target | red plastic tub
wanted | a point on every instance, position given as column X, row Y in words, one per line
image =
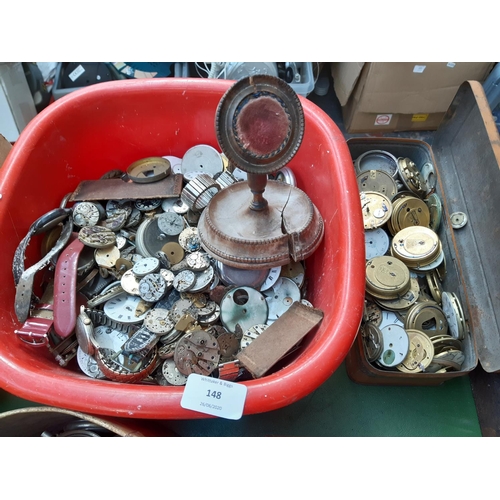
column 109, row 126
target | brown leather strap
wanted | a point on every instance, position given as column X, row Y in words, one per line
column 65, row 303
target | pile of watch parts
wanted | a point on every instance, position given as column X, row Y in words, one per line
column 154, row 307
column 410, row 324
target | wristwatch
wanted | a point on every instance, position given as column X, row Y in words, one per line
column 119, row 368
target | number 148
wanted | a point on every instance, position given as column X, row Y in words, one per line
column 214, row 394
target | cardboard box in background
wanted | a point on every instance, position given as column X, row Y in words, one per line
column 385, row 97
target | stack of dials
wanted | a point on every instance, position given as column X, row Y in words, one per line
column 155, row 307
column 410, row 324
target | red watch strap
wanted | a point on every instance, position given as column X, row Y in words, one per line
column 65, row 306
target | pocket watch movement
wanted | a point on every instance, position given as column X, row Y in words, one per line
column 376, row 209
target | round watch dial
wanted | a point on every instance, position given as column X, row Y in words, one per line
column 184, row 281
column 158, row 321
column 295, row 271
column 126, row 309
column 376, row 243
column 174, row 252
column 116, row 220
column 251, row 334
column 201, row 159
column 198, row 261
column 279, row 298
column 203, row 279
column 107, row 257
column 147, row 205
column 175, row 163
column 146, row 266
column 376, row 209
column 152, row 287
column 130, row 282
column 113, row 205
column 170, row 223
column 88, row 364
column 244, row 306
column 452, row 309
column 189, row 239
column 396, row 344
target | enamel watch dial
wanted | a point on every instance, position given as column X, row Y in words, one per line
column 376, row 243
column 126, row 309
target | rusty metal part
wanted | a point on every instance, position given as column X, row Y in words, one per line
column 197, row 352
column 228, row 346
column 289, row 228
column 116, row 189
column 272, row 344
column 218, row 293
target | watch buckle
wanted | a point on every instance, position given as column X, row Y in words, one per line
column 63, row 350
column 35, row 331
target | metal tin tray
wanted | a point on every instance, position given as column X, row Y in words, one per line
column 466, row 157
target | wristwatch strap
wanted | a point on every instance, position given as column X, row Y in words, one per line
column 24, row 278
column 99, row 318
column 41, row 225
column 65, row 279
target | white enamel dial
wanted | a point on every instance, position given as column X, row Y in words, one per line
column 390, row 318
column 146, row 266
column 395, row 343
column 124, row 309
column 376, row 243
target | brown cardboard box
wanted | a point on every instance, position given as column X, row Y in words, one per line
column 383, row 97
